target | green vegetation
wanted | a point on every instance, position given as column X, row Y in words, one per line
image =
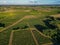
column 41, row 40
column 4, row 37
column 24, row 36
column 45, row 19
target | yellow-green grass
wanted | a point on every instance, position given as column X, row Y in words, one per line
column 9, row 18
column 34, row 21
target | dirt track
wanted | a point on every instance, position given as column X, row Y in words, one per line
column 25, row 17
column 33, row 35
column 11, row 38
column 10, row 41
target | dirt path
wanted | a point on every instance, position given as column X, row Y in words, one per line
column 12, row 24
column 33, row 35
column 38, row 32
column 11, row 38
column 31, row 16
column 42, row 34
column 34, row 38
column 31, row 29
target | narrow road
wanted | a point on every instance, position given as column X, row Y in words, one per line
column 42, row 34
column 33, row 35
column 34, row 38
column 12, row 24
column 25, row 17
column 11, row 38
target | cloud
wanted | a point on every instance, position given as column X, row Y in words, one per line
column 30, row 2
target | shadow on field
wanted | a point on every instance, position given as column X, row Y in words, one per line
column 56, row 38
column 58, row 19
column 49, row 25
column 40, row 27
column 2, row 25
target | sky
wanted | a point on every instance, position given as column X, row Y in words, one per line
column 28, row 2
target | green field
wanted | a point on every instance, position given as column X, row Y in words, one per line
column 46, row 19
column 25, row 36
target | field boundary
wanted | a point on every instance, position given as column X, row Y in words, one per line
column 33, row 35
column 42, row 34
column 11, row 37
column 12, row 24
column 25, row 17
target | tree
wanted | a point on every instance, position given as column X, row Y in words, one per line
column 2, row 25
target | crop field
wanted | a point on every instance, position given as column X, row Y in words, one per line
column 25, row 36
column 29, row 25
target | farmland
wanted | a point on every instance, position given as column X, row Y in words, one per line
column 29, row 25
